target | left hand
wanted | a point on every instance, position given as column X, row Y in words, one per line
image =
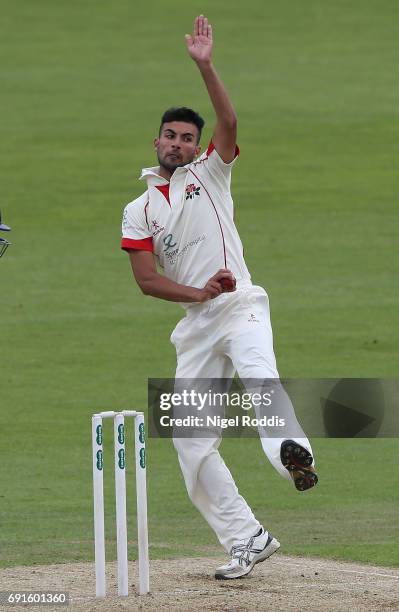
column 199, row 45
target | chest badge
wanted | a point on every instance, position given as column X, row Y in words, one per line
column 191, row 191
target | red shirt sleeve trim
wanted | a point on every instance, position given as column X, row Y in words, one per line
column 128, row 244
column 211, row 148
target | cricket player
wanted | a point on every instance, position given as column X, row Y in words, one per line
column 184, row 222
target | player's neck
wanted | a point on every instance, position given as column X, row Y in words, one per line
column 165, row 173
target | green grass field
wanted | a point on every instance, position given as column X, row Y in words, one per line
column 83, row 88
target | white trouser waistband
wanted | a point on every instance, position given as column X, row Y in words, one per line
column 197, row 307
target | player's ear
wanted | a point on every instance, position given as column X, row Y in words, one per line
column 197, row 150
column 156, row 142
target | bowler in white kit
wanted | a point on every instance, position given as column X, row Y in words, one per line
column 184, row 222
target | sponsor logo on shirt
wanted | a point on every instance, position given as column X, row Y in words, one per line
column 174, row 255
column 253, row 319
column 191, row 191
column 156, row 228
column 168, row 242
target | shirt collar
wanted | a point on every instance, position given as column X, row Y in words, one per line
column 152, row 176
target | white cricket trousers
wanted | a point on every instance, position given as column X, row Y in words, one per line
column 230, row 333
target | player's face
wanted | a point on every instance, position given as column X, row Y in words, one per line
column 177, row 145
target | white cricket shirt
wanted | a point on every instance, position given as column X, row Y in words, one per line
column 187, row 222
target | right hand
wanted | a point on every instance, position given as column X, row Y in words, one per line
column 213, row 288
column 199, row 44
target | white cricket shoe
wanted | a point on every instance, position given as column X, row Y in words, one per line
column 246, row 554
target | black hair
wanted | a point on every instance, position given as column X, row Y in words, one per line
column 185, row 114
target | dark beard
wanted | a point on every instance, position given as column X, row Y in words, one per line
column 172, row 167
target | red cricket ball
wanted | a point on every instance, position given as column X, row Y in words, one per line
column 228, row 284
